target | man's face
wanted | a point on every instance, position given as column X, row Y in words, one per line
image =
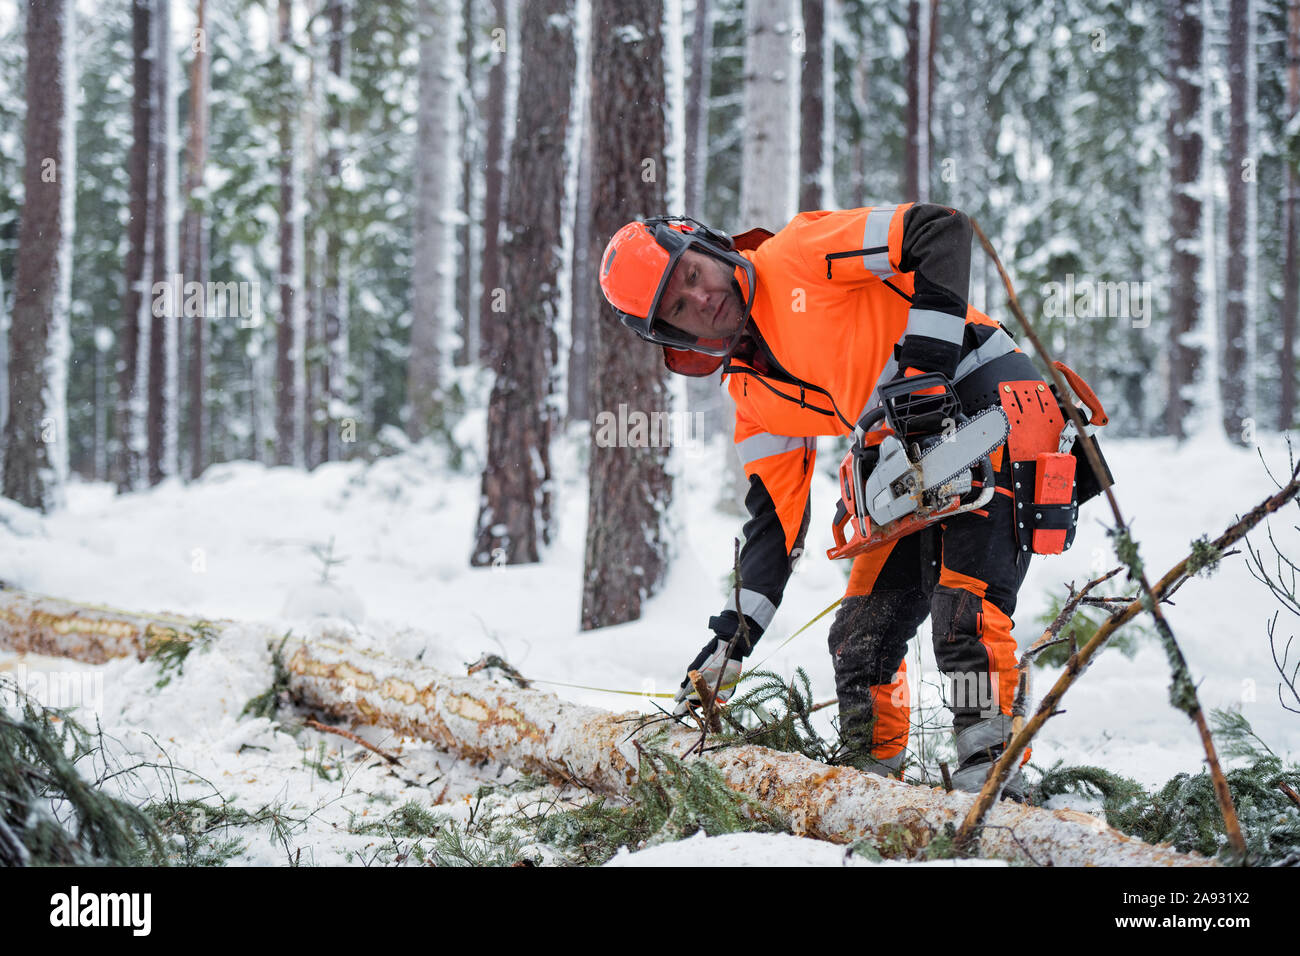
column 702, row 297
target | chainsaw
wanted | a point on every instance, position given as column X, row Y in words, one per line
column 933, row 464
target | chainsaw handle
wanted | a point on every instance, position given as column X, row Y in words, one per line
column 1085, row 392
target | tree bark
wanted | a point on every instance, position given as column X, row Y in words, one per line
column 515, row 500
column 35, row 432
column 131, row 366
column 161, row 424
column 812, row 107
column 334, row 363
column 467, row 351
column 288, row 348
column 493, row 188
column 537, row 732
column 432, row 283
column 578, row 405
column 1240, row 308
column 629, row 487
column 194, row 236
column 1185, row 146
column 1291, row 271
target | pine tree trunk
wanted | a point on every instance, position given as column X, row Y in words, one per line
column 35, row 432
column 1291, row 270
column 912, row 150
column 334, row 364
column 812, row 107
column 468, row 308
column 287, row 347
column 703, row 395
column 493, row 189
column 166, row 298
column 139, row 271
column 578, row 401
column 630, row 489
column 768, row 170
column 1240, row 304
column 432, row 282
column 514, row 505
column 1185, row 147
column 194, row 237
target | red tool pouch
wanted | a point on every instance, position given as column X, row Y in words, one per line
column 1042, row 477
column 1055, row 508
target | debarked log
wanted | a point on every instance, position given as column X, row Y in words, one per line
column 536, row 731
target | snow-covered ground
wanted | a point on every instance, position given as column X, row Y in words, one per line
column 246, row 543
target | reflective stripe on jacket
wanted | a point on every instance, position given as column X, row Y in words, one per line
column 837, row 294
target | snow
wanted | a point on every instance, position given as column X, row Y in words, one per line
column 238, row 544
column 761, row 849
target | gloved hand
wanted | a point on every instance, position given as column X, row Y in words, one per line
column 711, row 661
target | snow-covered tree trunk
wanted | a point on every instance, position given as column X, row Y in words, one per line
column 494, row 178
column 165, row 298
column 769, row 159
column 922, row 29
column 136, row 318
column 1183, row 60
column 813, row 155
column 577, row 406
column 704, row 396
column 768, row 166
column 433, row 301
column 35, row 432
column 334, row 300
column 630, row 490
column 288, row 338
column 1238, row 323
column 514, row 503
column 194, row 236
column 1291, row 272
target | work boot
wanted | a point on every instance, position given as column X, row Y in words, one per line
column 978, row 747
column 888, row 767
column 856, row 743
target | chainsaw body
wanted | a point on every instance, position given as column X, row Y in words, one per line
column 911, row 480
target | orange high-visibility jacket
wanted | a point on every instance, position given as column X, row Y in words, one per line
column 843, row 300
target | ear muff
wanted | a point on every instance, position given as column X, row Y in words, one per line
column 720, row 239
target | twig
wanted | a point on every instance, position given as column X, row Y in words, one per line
column 325, row 728
column 1289, row 791
column 1182, row 690
column 708, row 703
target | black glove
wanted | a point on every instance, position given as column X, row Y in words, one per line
column 710, row 662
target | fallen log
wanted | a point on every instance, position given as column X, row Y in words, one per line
column 536, row 731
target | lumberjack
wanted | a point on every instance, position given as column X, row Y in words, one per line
column 961, row 464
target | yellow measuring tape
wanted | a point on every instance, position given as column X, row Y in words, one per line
column 641, row 693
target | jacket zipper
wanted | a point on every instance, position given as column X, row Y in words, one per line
column 788, row 379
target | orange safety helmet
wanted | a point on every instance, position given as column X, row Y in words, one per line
column 635, row 269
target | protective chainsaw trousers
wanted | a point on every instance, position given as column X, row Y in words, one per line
column 964, row 573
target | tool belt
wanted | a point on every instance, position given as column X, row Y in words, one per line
column 1049, row 478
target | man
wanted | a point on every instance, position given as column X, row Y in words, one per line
column 809, row 323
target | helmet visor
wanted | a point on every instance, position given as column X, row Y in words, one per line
column 714, row 332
